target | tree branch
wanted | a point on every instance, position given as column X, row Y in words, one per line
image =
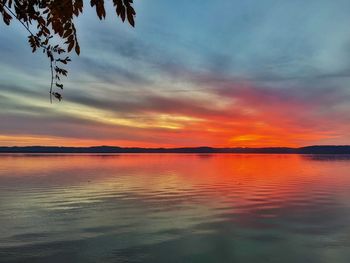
column 41, row 45
column 15, row 16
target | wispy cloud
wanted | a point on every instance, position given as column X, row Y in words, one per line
column 261, row 73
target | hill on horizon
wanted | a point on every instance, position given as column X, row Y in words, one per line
column 315, row 149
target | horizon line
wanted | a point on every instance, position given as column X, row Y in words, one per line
column 179, row 147
column 313, row 149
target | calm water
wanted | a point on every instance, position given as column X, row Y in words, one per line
column 175, row 208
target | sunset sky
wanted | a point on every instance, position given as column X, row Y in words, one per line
column 192, row 73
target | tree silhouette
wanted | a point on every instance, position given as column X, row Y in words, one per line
column 50, row 24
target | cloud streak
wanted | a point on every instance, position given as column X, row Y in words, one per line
column 265, row 74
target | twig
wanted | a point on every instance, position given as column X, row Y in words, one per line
column 41, row 45
column 51, row 81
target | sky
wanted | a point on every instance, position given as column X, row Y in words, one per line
column 224, row 73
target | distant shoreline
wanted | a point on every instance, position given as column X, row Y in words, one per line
column 318, row 149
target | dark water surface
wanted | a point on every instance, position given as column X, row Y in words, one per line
column 174, row 208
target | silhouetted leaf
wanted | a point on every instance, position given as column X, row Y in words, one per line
column 67, row 33
column 6, row 17
column 59, row 85
column 77, row 49
column 57, row 95
column 131, row 18
column 70, row 47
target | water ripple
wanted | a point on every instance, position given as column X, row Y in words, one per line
column 229, row 208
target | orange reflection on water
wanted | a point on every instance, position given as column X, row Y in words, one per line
column 159, row 193
column 250, row 175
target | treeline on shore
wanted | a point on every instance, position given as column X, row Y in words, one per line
column 327, row 149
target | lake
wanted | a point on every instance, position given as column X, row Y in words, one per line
column 175, row 208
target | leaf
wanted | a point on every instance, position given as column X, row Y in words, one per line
column 57, row 95
column 59, row 85
column 64, row 72
column 131, row 17
column 6, row 17
column 70, row 47
column 122, row 13
column 67, row 26
column 77, row 49
column 45, row 42
column 61, row 60
column 67, row 33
